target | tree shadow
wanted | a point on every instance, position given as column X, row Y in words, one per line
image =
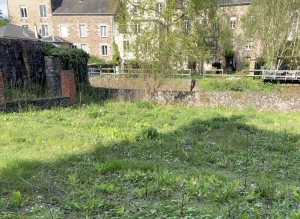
column 98, row 184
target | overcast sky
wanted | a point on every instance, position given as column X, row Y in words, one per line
column 3, row 8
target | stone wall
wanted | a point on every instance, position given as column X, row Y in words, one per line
column 2, row 100
column 93, row 40
column 22, row 61
column 53, row 80
column 274, row 102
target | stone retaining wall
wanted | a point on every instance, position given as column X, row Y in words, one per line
column 273, row 102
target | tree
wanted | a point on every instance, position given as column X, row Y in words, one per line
column 163, row 37
column 274, row 24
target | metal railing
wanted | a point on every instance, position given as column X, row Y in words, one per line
column 98, row 71
column 282, row 75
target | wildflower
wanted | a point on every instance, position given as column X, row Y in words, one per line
column 225, row 164
column 192, row 179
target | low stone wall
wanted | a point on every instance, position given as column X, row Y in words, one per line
column 40, row 103
column 274, row 102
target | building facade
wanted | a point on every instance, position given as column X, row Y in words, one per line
column 87, row 24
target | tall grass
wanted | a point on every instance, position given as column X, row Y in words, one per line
column 237, row 85
column 143, row 160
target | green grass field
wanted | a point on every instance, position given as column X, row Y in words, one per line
column 142, row 160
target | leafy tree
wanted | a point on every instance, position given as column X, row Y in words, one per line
column 229, row 55
column 166, row 36
column 274, row 24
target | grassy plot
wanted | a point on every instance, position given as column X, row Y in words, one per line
column 140, row 160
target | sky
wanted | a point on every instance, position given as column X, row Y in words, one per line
column 3, row 8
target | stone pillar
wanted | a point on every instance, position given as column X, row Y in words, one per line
column 52, row 68
column 2, row 100
column 68, row 88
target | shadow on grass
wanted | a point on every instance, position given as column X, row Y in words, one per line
column 152, row 176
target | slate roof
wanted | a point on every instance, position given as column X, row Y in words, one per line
column 80, row 7
column 11, row 31
column 55, row 39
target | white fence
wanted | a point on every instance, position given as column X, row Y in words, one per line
column 94, row 70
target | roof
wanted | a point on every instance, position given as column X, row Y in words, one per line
column 83, row 7
column 233, row 2
column 55, row 39
column 16, row 32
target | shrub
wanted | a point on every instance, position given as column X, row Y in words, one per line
column 148, row 133
column 70, row 59
column 217, row 65
column 246, row 64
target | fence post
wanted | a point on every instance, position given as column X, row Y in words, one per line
column 68, row 88
column 2, row 99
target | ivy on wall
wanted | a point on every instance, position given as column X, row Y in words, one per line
column 70, row 59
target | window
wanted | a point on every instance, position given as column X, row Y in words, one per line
column 294, row 17
column 247, row 59
column 25, row 26
column 232, row 42
column 104, row 50
column 43, row 11
column 185, row 6
column 249, row 44
column 126, row 46
column 232, row 22
column 63, row 31
column 44, row 30
column 82, row 30
column 136, row 10
column 74, row 46
column 159, row 7
column 23, row 11
column 291, row 36
column 103, row 32
column 214, row 25
column 136, row 28
column 186, row 24
column 84, row 47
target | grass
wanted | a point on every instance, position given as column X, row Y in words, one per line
column 142, row 160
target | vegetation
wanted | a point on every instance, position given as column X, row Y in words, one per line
column 3, row 22
column 237, row 85
column 70, row 59
column 141, row 160
column 177, row 35
column 276, row 27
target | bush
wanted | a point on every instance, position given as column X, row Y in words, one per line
column 70, row 59
column 95, row 59
column 237, row 85
column 217, row 65
column 246, row 65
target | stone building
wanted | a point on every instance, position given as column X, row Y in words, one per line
column 88, row 24
column 245, row 48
